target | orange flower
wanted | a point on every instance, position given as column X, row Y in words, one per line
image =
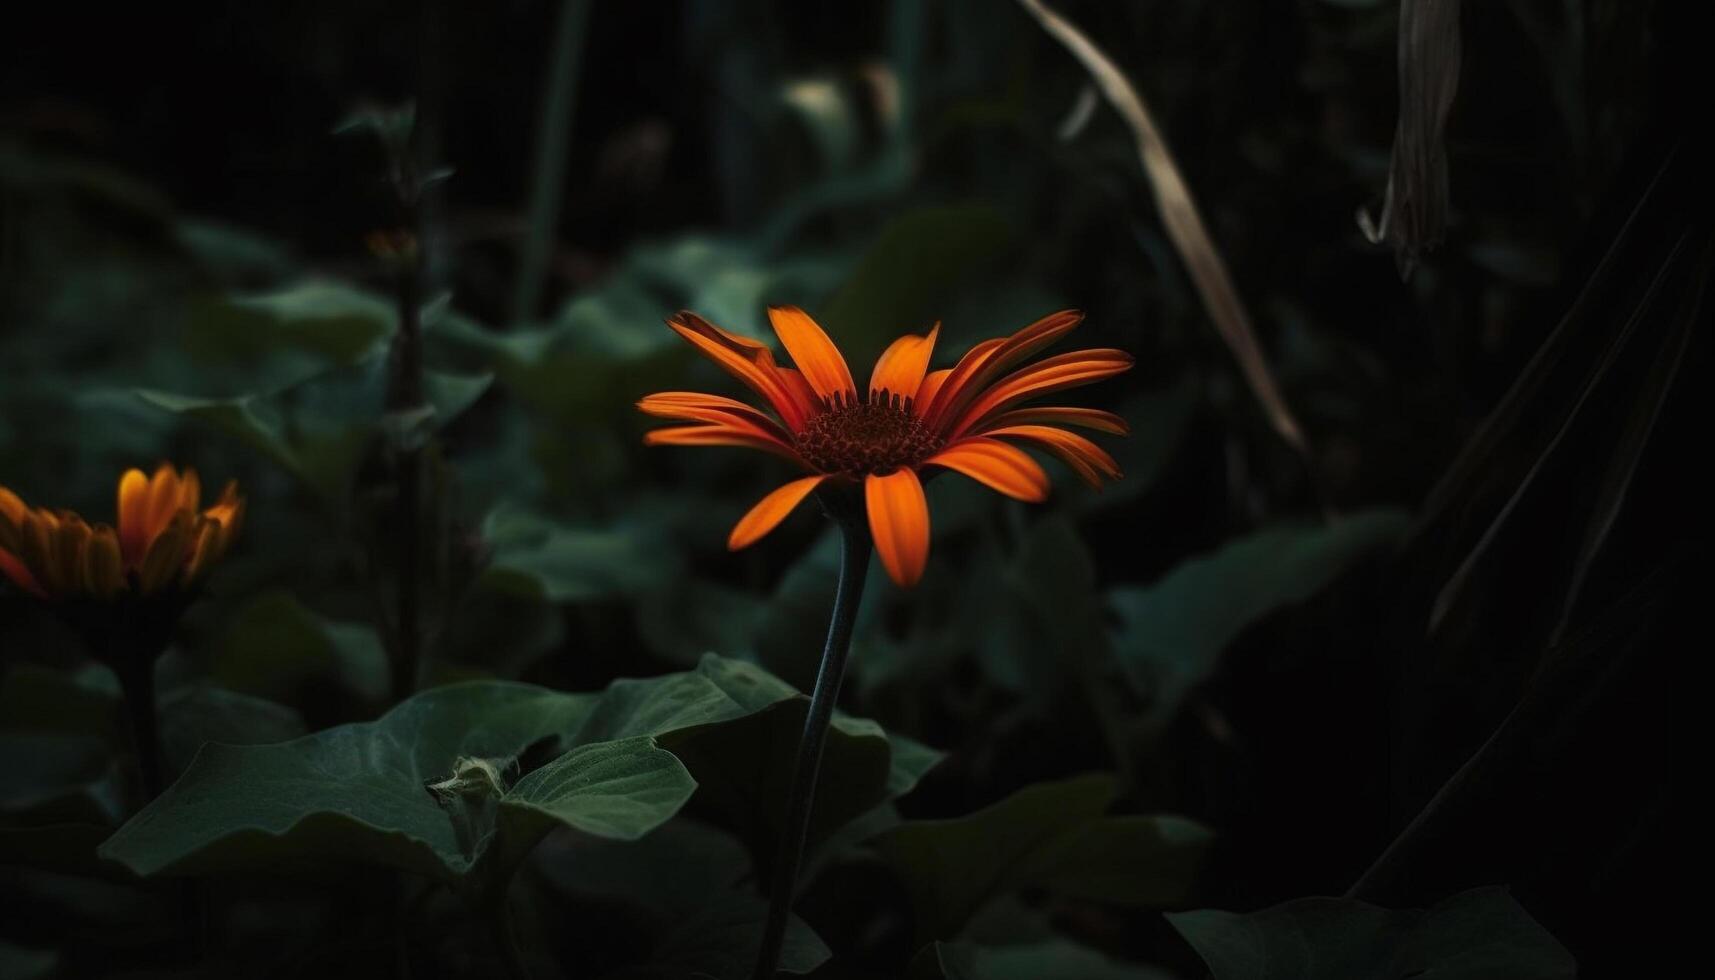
column 961, row 418
column 164, row 543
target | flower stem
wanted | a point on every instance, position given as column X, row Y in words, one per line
column 855, row 550
column 553, row 134
column 137, row 683
column 406, row 394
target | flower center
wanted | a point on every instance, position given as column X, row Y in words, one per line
column 861, row 437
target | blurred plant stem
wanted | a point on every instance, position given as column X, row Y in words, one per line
column 405, row 396
column 407, row 409
column 553, row 134
column 129, row 635
column 137, row 684
column 855, row 549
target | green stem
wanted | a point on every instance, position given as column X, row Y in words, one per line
column 137, row 683
column 406, row 393
column 553, row 131
column 855, row 550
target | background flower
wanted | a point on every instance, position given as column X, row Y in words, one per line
column 163, row 541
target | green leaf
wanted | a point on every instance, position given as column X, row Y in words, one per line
column 350, row 793
column 276, row 647
column 901, row 284
column 1059, row 958
column 358, row 792
column 1481, row 934
column 746, row 767
column 569, row 564
column 608, row 345
column 231, row 253
column 1053, row 835
column 57, row 779
column 40, row 700
column 325, row 317
column 691, row 890
column 317, row 429
column 1172, row 633
column 1158, row 421
column 619, row 790
column 196, row 715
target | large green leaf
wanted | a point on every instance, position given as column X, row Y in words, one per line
column 1158, row 420
column 197, row 714
column 275, row 646
column 359, row 792
column 317, row 429
column 1481, row 934
column 608, row 345
column 690, row 888
column 901, row 284
column 313, row 323
column 55, row 778
column 746, row 767
column 564, row 563
column 1171, row 633
column 354, row 792
column 1053, row 835
column 619, row 790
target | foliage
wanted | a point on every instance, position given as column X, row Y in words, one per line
column 1386, row 610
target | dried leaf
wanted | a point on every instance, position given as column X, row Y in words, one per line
column 1183, row 222
column 1414, row 208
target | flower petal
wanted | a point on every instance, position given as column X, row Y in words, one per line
column 190, row 490
column 814, row 354
column 207, row 541
column 899, row 523
column 228, row 511
column 1089, row 460
column 955, row 378
column 163, row 500
column 1055, row 374
column 167, row 553
column 926, row 391
column 695, row 407
column 1089, row 418
column 133, row 514
column 748, row 360
column 13, row 513
column 799, row 389
column 986, row 360
column 721, row 435
column 12, row 507
column 103, row 568
column 68, row 553
column 14, row 568
column 997, row 466
column 751, row 423
column 36, row 542
column 899, row 370
column 770, row 511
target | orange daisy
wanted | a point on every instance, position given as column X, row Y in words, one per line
column 163, row 542
column 965, row 418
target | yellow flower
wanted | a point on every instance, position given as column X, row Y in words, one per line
column 163, row 543
column 961, row 418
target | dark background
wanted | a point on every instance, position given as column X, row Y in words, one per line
column 1496, row 696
